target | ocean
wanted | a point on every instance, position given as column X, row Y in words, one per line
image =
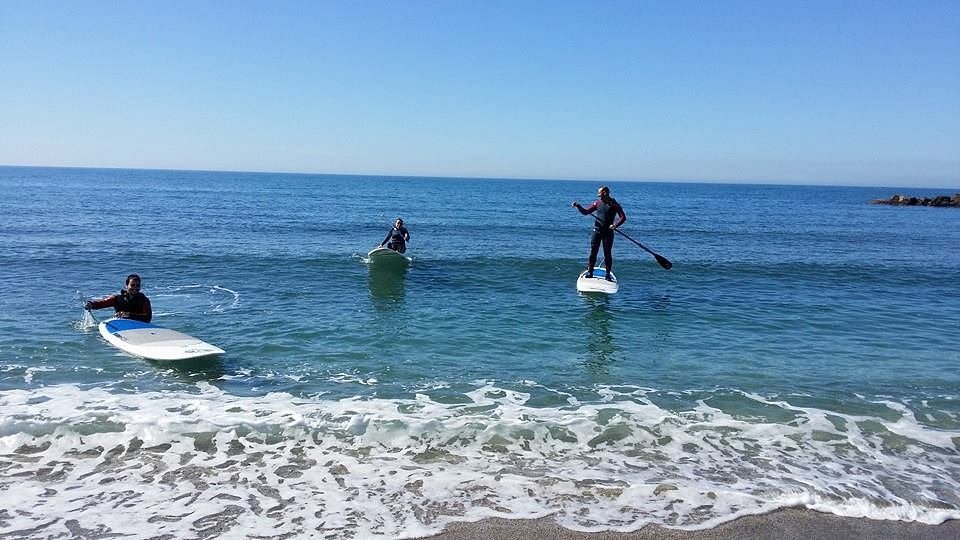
column 802, row 351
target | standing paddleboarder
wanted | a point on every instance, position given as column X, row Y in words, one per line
column 605, row 209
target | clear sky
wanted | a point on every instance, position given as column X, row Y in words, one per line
column 832, row 92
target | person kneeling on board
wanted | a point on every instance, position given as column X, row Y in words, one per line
column 129, row 304
column 606, row 208
column 397, row 238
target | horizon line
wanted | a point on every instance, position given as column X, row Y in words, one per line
column 719, row 181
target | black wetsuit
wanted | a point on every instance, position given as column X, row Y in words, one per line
column 136, row 306
column 605, row 213
column 396, row 239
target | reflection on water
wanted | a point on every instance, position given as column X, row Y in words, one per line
column 386, row 284
column 601, row 349
column 660, row 302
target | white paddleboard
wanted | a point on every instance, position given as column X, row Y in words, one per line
column 598, row 283
column 153, row 342
column 387, row 255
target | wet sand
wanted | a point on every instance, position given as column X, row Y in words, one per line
column 788, row 524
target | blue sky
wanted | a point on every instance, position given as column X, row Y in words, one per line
column 744, row 91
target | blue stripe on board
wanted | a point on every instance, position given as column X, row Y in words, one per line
column 119, row 325
column 598, row 272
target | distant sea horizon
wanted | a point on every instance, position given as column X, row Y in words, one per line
column 941, row 185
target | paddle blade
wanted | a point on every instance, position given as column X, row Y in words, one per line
column 663, row 262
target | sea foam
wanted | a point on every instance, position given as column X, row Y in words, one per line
column 212, row 464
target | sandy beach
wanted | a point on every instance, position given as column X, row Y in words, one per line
column 788, row 524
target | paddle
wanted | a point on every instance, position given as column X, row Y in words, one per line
column 663, row 261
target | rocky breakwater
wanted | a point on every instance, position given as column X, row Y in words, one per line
column 939, row 200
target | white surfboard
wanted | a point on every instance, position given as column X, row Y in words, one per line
column 153, row 342
column 599, row 282
column 387, row 256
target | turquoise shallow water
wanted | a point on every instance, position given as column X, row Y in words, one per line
column 801, row 351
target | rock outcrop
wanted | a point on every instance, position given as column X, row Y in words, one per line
column 939, row 200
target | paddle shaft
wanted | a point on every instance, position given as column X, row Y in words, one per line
column 643, row 247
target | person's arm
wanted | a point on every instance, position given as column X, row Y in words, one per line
column 406, row 235
column 102, row 303
column 387, row 237
column 622, row 217
column 586, row 210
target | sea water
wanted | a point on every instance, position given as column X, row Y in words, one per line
column 801, row 352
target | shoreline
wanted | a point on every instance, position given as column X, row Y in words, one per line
column 782, row 524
